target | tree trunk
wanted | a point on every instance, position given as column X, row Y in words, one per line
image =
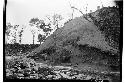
column 86, row 10
column 14, row 38
column 72, row 13
column 57, row 25
column 20, row 40
column 33, row 38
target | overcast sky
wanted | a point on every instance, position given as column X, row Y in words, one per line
column 21, row 11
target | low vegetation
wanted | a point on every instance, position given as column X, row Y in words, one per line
column 19, row 66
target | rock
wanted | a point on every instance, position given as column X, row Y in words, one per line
column 56, row 71
column 88, row 77
column 21, row 71
column 62, row 67
column 50, row 77
column 80, row 76
column 65, row 76
column 34, row 76
column 20, row 75
column 58, row 76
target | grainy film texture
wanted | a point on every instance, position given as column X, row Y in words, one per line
column 71, row 40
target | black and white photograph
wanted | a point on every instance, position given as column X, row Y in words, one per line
column 62, row 40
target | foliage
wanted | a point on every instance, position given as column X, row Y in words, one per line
column 41, row 38
column 8, row 26
column 41, row 25
column 35, row 21
column 11, row 31
column 108, row 21
column 55, row 19
column 13, row 49
column 20, row 34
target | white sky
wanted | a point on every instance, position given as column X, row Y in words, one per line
column 21, row 11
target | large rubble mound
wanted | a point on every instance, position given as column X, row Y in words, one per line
column 81, row 41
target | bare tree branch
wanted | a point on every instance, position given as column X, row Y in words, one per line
column 71, row 8
column 77, row 9
column 81, row 13
column 49, row 19
column 86, row 10
column 101, row 3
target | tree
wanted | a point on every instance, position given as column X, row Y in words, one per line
column 86, row 9
column 41, row 38
column 11, row 30
column 101, row 3
column 7, row 31
column 72, row 10
column 35, row 22
column 55, row 19
column 15, row 27
column 46, row 28
column 20, row 34
column 33, row 33
column 84, row 15
column 40, row 24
